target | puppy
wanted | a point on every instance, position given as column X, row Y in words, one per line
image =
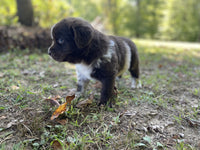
column 96, row 55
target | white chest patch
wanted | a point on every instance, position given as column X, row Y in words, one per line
column 83, row 71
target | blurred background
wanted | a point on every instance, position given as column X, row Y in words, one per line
column 171, row 20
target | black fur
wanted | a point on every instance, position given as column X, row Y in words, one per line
column 76, row 41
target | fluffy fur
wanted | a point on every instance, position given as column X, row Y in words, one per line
column 96, row 55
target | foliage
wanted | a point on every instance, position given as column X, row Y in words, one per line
column 144, row 17
column 184, row 21
column 160, row 19
column 8, row 12
column 46, row 12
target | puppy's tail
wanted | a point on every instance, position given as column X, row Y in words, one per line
column 134, row 63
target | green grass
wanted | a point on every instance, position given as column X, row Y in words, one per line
column 146, row 118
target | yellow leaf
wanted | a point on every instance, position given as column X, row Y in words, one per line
column 63, row 107
column 60, row 110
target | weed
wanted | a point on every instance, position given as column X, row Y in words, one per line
column 178, row 119
column 183, row 146
column 196, row 92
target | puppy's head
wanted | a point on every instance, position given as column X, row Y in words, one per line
column 70, row 37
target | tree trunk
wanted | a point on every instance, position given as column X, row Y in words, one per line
column 25, row 12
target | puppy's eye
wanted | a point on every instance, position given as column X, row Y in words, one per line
column 60, row 41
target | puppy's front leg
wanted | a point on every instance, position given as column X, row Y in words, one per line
column 82, row 84
column 107, row 91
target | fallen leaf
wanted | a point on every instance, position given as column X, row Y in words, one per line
column 63, row 107
column 2, row 117
column 14, row 87
column 86, row 102
column 160, row 66
column 56, row 145
column 53, row 101
column 13, row 122
column 60, row 110
column 70, row 98
column 62, row 121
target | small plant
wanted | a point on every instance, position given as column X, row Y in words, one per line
column 116, row 120
column 183, row 146
column 196, row 92
column 147, row 139
column 178, row 119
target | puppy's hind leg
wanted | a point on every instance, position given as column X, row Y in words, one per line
column 135, row 78
column 135, row 72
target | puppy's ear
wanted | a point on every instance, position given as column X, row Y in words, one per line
column 82, row 35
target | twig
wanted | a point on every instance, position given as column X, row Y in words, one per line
column 8, row 137
column 28, row 129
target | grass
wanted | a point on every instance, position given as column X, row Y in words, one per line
column 152, row 117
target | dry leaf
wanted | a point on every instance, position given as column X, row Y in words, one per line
column 2, row 117
column 160, row 66
column 60, row 110
column 56, row 145
column 53, row 101
column 62, row 121
column 63, row 107
column 86, row 102
column 13, row 122
column 70, row 98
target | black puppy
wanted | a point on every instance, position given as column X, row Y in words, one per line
column 96, row 55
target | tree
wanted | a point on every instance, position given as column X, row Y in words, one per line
column 25, row 12
column 184, row 22
column 144, row 17
column 111, row 10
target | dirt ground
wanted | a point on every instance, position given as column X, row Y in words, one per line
column 163, row 114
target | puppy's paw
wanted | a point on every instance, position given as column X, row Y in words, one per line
column 136, row 83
